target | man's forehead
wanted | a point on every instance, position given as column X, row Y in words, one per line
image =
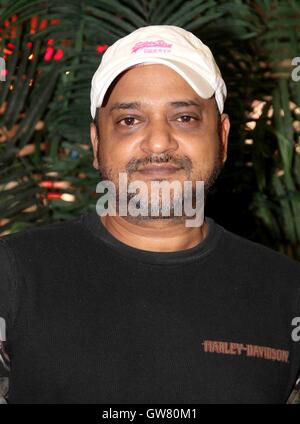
column 176, row 103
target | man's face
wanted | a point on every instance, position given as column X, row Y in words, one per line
column 152, row 116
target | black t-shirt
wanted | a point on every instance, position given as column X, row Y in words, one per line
column 92, row 320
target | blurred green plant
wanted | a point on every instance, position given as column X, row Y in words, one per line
column 44, row 107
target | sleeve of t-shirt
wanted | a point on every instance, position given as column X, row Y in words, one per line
column 7, row 301
column 7, row 287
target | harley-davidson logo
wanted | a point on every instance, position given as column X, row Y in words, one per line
column 237, row 349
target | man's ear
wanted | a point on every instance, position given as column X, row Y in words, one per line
column 224, row 133
column 95, row 141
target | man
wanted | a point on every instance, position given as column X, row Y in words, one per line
column 143, row 308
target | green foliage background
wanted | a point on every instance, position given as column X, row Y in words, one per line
column 46, row 115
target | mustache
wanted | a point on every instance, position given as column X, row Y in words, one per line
column 180, row 162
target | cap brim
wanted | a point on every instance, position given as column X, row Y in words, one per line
column 198, row 83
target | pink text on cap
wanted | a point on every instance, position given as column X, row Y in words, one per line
column 149, row 45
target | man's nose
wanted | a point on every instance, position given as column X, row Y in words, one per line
column 159, row 138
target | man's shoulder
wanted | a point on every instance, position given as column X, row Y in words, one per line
column 256, row 259
column 42, row 235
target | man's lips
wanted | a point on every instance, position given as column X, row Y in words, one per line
column 158, row 169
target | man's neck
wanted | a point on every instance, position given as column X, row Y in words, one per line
column 165, row 235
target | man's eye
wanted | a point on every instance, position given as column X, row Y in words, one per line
column 129, row 121
column 186, row 118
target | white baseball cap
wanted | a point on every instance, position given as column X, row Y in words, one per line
column 161, row 44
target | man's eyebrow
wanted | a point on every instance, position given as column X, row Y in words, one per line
column 138, row 105
column 184, row 103
column 130, row 105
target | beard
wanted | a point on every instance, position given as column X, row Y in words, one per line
column 163, row 211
